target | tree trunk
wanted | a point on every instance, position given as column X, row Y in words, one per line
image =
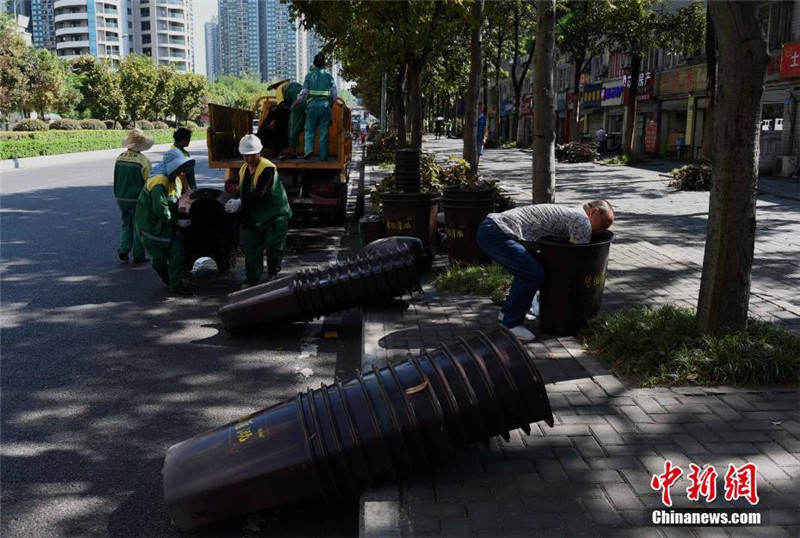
column 399, row 106
column 415, row 101
column 707, row 149
column 407, row 97
column 475, row 70
column 544, row 177
column 576, row 103
column 501, row 38
column 728, row 261
column 633, row 91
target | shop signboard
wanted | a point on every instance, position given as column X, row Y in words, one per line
column 685, row 80
column 644, row 93
column 651, row 137
column 590, row 98
column 612, row 92
column 790, row 60
column 526, row 106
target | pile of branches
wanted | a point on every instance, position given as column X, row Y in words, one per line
column 693, row 177
column 382, row 149
column 576, row 152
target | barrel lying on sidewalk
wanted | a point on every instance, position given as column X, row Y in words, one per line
column 575, row 277
column 336, row 439
column 313, row 293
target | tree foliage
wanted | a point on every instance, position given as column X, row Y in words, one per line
column 161, row 103
column 139, row 76
column 237, row 92
column 100, row 87
column 46, row 80
column 188, row 95
column 13, row 77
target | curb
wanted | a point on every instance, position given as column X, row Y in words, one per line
column 30, row 163
column 379, row 505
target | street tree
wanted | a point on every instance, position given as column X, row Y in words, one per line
column 497, row 49
column 13, row 77
column 742, row 58
column 139, row 77
column 46, row 80
column 544, row 163
column 160, row 105
column 523, row 29
column 580, row 29
column 475, row 19
column 188, row 96
column 634, row 28
column 100, row 87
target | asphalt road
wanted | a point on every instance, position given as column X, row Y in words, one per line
column 103, row 370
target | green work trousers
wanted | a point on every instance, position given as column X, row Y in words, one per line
column 128, row 238
column 167, row 259
column 318, row 116
column 297, row 120
column 270, row 238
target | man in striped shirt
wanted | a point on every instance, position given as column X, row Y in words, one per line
column 502, row 236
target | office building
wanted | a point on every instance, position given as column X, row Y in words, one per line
column 212, row 49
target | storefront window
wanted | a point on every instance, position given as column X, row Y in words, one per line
column 770, row 114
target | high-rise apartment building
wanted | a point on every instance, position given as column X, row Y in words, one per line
column 240, row 42
column 88, row 27
column 164, row 30
column 212, row 49
column 279, row 49
column 43, row 24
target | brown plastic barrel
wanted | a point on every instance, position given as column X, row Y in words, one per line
column 412, row 214
column 336, row 439
column 464, row 210
column 370, row 228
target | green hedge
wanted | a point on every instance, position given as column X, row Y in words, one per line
column 17, row 145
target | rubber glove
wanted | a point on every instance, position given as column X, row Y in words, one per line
column 184, row 223
column 233, row 205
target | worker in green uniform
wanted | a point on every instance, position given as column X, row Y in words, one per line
column 182, row 136
column 265, row 211
column 297, row 117
column 320, row 91
column 130, row 173
column 158, row 220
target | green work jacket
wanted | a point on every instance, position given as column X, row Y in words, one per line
column 130, row 174
column 157, row 208
column 263, row 202
column 319, row 84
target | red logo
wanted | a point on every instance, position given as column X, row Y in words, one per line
column 741, row 482
column 704, row 483
column 664, row 481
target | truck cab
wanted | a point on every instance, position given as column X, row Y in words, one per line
column 314, row 187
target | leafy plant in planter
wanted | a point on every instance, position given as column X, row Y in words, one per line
column 381, row 150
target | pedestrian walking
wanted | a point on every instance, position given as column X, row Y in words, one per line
column 481, row 134
column 320, row 91
column 182, row 136
column 131, row 171
column 265, row 212
column 158, row 221
column 501, row 236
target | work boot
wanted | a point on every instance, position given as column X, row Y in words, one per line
column 308, row 155
column 528, row 317
column 123, row 256
column 522, row 333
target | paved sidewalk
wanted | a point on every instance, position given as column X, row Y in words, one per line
column 590, row 474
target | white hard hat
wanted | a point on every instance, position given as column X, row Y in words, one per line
column 250, row 145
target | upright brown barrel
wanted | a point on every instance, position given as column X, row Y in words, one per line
column 336, row 439
column 412, row 214
column 370, row 228
column 575, row 276
column 406, row 169
column 464, row 210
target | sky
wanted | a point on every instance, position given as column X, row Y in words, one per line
column 202, row 11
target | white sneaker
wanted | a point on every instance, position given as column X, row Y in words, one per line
column 522, row 333
column 528, row 317
column 534, row 310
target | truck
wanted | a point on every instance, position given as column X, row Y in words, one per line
column 315, row 188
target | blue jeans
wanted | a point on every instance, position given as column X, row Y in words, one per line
column 528, row 272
